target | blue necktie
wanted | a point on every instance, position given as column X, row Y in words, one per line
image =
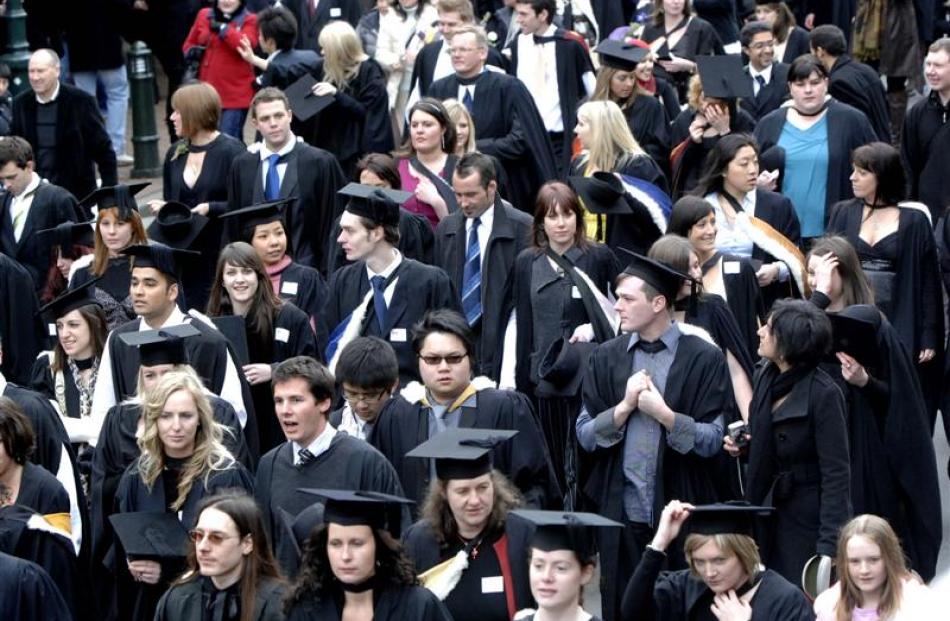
column 761, row 82
column 272, row 182
column 467, row 100
column 379, row 301
column 472, row 277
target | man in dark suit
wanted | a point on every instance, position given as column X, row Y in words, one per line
column 65, row 129
column 283, row 167
column 849, row 81
column 769, row 78
column 477, row 246
column 313, row 15
column 29, row 205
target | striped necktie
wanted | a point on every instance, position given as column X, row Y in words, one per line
column 472, row 277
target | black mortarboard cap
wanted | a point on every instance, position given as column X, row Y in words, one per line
column 602, row 193
column 163, row 346
column 854, row 332
column 380, row 205
column 151, row 534
column 735, row 517
column 356, row 508
column 262, row 213
column 177, row 226
column 722, row 77
column 121, row 196
column 70, row 300
column 165, row 259
column 560, row 530
column 621, row 55
column 662, row 277
column 462, row 453
column 303, row 102
column 69, row 234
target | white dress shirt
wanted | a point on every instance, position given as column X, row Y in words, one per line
column 319, row 446
column 20, row 206
column 388, row 293
column 484, row 233
column 282, row 166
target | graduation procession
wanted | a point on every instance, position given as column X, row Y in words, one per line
column 476, row 310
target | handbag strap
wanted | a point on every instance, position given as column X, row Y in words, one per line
column 602, row 329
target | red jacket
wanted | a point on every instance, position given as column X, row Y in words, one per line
column 221, row 66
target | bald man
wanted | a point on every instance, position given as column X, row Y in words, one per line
column 64, row 126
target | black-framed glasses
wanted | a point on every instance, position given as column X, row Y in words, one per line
column 354, row 398
column 451, row 359
column 216, row 538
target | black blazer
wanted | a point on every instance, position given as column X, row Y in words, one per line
column 796, row 46
column 509, row 236
column 51, row 206
column 82, row 143
column 770, row 96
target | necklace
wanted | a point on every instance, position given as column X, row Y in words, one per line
column 6, row 496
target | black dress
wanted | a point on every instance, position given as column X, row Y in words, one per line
column 210, row 187
column 112, row 290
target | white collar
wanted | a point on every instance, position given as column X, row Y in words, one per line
column 319, row 445
column 176, row 318
column 34, row 183
column 765, row 73
column 3, row 384
column 389, row 268
column 52, row 97
column 486, row 219
column 284, row 150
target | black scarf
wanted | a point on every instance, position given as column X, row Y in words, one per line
column 220, row 605
column 771, row 386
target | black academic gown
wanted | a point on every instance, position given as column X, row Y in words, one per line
column 510, row 234
column 286, row 67
column 743, row 296
column 27, row 592
column 187, row 601
column 697, row 386
column 796, row 45
column 41, row 491
column 426, row 551
column 423, row 71
column 313, row 177
column 687, row 169
column 848, row 129
column 402, row 426
column 416, row 240
column 43, row 382
column 311, row 20
column 770, row 96
column 22, row 333
column 305, row 288
column 778, row 212
column 509, row 128
column 572, row 62
column 649, row 125
column 918, row 302
column 858, row 85
column 137, row 600
column 656, row 595
column 411, row 603
column 349, row 463
column 420, row 288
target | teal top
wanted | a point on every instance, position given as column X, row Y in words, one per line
column 806, row 173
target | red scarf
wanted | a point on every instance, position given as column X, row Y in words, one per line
column 275, row 271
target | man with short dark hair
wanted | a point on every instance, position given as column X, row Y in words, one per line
column 381, row 293
column 29, row 205
column 280, row 167
column 314, row 454
column 65, row 129
column 477, row 246
column 849, row 81
column 368, row 374
column 769, row 78
column 283, row 65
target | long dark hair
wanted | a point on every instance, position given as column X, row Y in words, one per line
column 855, row 286
column 436, row 109
column 263, row 311
column 718, row 160
column 555, row 195
column 95, row 318
column 55, row 281
column 316, row 579
column 258, row 565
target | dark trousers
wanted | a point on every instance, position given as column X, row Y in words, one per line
column 557, row 142
column 613, row 581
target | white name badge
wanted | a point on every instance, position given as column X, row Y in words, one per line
column 575, row 292
column 52, row 329
column 282, row 335
column 288, row 288
column 493, row 584
column 398, row 335
column 335, row 12
column 730, row 267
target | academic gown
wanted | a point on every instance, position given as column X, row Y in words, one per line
column 419, row 289
column 512, row 546
column 305, row 288
column 22, row 332
column 778, row 212
column 423, row 70
column 796, row 45
column 313, row 176
column 649, row 125
column 697, row 386
column 572, row 62
column 286, row 67
column 357, row 122
column 137, row 600
column 524, row 459
column 858, row 85
column 43, row 382
column 509, row 128
column 848, row 129
column 412, row 603
column 349, row 463
column 188, row 601
column 292, row 336
column 40, row 491
column 743, row 296
column 656, row 595
column 416, row 240
column 27, row 592
column 311, row 22
column 112, row 289
column 510, row 234
column 918, row 301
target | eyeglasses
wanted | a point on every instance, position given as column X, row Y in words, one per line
column 762, row 45
column 216, row 538
column 355, row 398
column 451, row 359
column 455, row 51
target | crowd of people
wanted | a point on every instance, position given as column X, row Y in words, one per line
column 448, row 307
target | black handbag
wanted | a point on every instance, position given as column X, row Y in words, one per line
column 193, row 64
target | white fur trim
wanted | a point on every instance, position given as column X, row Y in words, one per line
column 656, row 212
column 352, row 329
column 447, row 579
column 762, row 240
column 83, row 261
column 38, row 522
column 415, row 392
column 693, row 330
column 919, row 207
column 194, row 314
